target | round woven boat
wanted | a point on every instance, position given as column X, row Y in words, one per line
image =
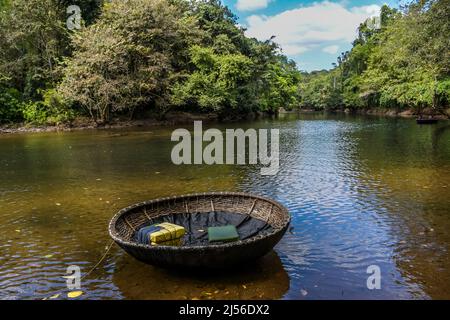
column 125, row 223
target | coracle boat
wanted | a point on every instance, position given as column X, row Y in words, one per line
column 260, row 222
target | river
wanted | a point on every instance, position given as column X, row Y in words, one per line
column 362, row 191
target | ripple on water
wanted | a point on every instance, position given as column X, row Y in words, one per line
column 360, row 193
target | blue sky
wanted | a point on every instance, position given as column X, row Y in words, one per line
column 312, row 33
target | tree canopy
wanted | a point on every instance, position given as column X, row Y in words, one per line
column 403, row 64
column 137, row 56
column 145, row 57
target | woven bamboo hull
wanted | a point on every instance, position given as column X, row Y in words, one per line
column 122, row 227
column 211, row 257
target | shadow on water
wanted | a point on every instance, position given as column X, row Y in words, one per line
column 262, row 279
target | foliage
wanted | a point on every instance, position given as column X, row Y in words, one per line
column 217, row 81
column 281, row 88
column 90, row 9
column 184, row 54
column 319, row 90
column 49, row 111
column 232, row 72
column 10, row 105
column 404, row 64
column 33, row 38
column 128, row 58
column 136, row 56
column 141, row 56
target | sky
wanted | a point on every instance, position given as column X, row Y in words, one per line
column 312, row 33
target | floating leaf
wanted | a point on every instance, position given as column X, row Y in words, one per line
column 48, row 256
column 303, row 292
column 58, row 204
column 55, row 296
column 17, row 230
column 74, row 294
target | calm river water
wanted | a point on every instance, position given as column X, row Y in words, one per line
column 361, row 191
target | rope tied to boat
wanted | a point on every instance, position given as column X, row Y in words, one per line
column 108, row 248
column 99, row 261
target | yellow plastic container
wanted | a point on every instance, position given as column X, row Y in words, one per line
column 168, row 232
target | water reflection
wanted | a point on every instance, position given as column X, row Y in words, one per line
column 338, row 229
column 361, row 191
column 264, row 279
column 412, row 184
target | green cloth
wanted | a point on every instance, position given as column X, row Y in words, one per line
column 223, row 234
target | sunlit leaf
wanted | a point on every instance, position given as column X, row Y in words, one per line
column 74, row 294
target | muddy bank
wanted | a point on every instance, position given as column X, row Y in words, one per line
column 409, row 113
column 170, row 119
column 84, row 123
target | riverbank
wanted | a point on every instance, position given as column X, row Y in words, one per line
column 178, row 118
column 84, row 123
column 408, row 113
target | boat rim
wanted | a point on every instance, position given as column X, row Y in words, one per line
column 120, row 241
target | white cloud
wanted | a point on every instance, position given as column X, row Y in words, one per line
column 322, row 24
column 250, row 5
column 330, row 49
column 370, row 10
column 294, row 49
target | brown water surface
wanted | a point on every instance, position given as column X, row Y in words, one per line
column 361, row 191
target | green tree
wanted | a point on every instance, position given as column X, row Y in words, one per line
column 33, row 39
column 128, row 58
column 409, row 67
column 281, row 89
column 217, row 83
column 402, row 64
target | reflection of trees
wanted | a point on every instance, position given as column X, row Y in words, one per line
column 264, row 279
column 439, row 134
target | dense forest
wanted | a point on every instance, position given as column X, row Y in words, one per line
column 141, row 58
column 403, row 62
column 133, row 58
